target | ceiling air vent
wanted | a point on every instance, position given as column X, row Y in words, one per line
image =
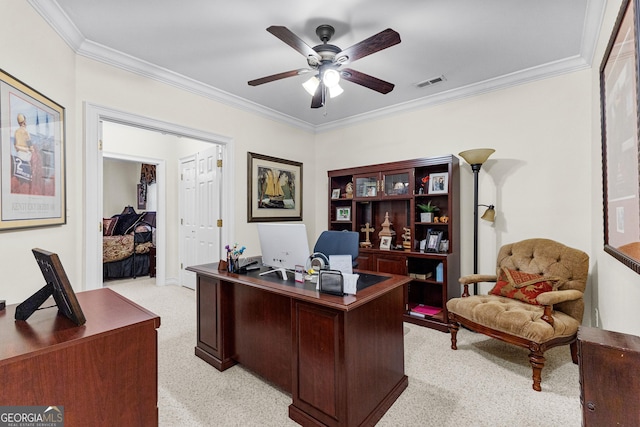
column 431, row 82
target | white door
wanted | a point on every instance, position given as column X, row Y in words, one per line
column 188, row 227
column 200, row 211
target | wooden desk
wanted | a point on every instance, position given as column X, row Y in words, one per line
column 104, row 373
column 341, row 358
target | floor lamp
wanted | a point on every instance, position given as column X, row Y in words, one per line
column 476, row 158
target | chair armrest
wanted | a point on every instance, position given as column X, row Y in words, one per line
column 475, row 278
column 556, row 297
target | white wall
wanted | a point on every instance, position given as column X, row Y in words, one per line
column 538, row 178
column 33, row 53
column 616, row 288
column 121, row 179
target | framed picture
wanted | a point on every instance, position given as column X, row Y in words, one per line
column 438, row 183
column 32, row 151
column 343, row 214
column 274, row 189
column 433, row 241
column 142, row 196
column 335, row 193
column 619, row 112
column 385, row 242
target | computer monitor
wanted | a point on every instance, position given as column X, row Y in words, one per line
column 283, row 246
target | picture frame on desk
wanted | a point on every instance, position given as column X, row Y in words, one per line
column 619, row 105
column 274, row 189
column 33, row 170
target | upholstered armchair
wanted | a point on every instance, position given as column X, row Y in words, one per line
column 537, row 302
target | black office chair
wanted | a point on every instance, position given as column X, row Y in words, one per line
column 339, row 243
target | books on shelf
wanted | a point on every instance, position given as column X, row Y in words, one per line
column 422, row 276
column 422, row 310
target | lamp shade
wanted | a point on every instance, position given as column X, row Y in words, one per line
column 331, row 77
column 477, row 156
column 335, row 91
column 311, row 85
column 489, row 214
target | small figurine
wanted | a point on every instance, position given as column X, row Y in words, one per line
column 444, row 219
column 386, row 227
column 349, row 190
column 406, row 239
column 367, row 229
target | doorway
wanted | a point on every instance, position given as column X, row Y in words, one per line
column 95, row 116
column 199, row 208
column 121, row 178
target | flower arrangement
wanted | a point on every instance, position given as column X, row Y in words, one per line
column 233, row 254
column 428, row 207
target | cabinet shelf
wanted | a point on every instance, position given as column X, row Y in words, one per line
column 393, row 189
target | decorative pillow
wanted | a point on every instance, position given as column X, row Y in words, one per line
column 522, row 286
column 108, row 225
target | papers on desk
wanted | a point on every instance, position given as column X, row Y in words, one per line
column 344, row 264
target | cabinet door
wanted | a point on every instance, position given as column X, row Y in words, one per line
column 208, row 315
column 367, row 186
column 389, row 263
column 365, row 262
column 397, row 183
column 609, row 386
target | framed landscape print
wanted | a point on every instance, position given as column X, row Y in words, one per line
column 32, row 152
column 620, row 151
column 274, row 189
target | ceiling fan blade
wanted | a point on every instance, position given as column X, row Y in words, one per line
column 278, row 76
column 373, row 44
column 318, row 98
column 284, row 34
column 367, row 81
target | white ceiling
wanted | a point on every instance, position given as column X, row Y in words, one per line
column 214, row 47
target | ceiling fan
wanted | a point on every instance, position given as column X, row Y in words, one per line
column 326, row 60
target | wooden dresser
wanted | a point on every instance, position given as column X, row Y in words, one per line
column 609, row 381
column 104, row 373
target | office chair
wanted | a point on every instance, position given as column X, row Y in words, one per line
column 339, row 243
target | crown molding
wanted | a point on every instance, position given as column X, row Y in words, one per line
column 62, row 24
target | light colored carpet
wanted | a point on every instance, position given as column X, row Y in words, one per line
column 483, row 383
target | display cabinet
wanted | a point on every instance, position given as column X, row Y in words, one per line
column 364, row 198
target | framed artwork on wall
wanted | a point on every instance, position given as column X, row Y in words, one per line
column 142, row 196
column 620, row 151
column 274, row 189
column 32, row 152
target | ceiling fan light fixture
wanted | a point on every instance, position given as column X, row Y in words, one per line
column 331, row 78
column 311, row 85
column 335, row 91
